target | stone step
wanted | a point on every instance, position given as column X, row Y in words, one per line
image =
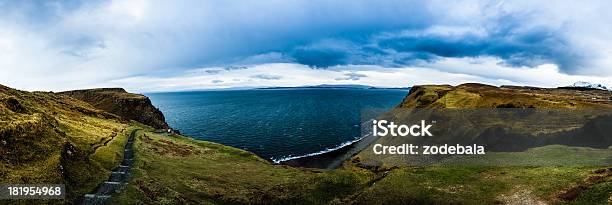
column 108, row 188
column 122, row 168
column 95, row 199
column 128, row 154
column 127, row 162
column 118, row 177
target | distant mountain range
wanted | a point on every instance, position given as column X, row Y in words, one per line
column 580, row 85
column 352, row 86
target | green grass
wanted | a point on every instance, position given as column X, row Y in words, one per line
column 598, row 194
column 111, row 154
column 170, row 170
column 434, row 185
column 56, row 139
column 550, row 155
column 175, row 169
column 480, row 185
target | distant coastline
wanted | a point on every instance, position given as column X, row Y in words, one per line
column 322, row 86
column 346, row 86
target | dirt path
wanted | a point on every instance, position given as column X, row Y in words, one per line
column 118, row 178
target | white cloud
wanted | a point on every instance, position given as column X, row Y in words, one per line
column 546, row 75
column 146, row 46
column 287, row 74
column 132, row 9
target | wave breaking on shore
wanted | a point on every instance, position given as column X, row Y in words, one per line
column 325, row 151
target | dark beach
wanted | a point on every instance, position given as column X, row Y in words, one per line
column 333, row 159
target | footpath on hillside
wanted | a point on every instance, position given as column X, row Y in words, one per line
column 118, row 178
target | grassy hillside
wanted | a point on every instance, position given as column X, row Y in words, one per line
column 567, row 112
column 177, row 170
column 547, row 174
column 50, row 138
column 53, row 138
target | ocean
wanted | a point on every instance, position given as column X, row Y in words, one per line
column 276, row 124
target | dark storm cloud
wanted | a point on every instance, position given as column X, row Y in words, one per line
column 506, row 39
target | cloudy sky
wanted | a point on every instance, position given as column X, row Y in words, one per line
column 149, row 46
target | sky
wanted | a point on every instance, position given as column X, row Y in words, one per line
column 150, row 46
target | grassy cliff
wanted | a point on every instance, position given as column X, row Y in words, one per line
column 119, row 102
column 474, row 95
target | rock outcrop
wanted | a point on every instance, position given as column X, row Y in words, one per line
column 119, row 102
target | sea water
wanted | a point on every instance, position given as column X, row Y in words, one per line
column 276, row 124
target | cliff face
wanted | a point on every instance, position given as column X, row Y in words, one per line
column 119, row 102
